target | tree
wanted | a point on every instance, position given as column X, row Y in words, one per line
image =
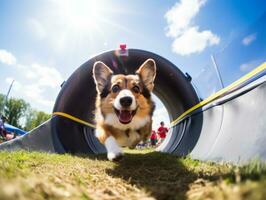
column 15, row 110
column 20, row 114
column 34, row 118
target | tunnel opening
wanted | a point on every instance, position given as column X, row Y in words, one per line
column 77, row 98
column 160, row 115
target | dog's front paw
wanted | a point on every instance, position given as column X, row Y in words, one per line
column 114, row 156
column 114, row 151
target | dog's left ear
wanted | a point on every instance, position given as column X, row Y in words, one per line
column 101, row 75
column 147, row 72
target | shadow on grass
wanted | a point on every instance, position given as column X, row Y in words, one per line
column 161, row 175
column 101, row 156
column 164, row 176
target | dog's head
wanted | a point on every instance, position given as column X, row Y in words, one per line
column 125, row 95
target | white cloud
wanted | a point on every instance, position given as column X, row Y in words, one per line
column 44, row 76
column 37, row 28
column 35, row 93
column 180, row 15
column 7, row 57
column 41, row 80
column 37, row 84
column 192, row 41
column 32, row 93
column 187, row 37
column 41, row 75
column 249, row 39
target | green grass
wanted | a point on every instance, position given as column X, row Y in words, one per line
column 142, row 174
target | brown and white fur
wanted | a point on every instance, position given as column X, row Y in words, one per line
column 124, row 106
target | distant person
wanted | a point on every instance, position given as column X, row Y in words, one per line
column 2, row 126
column 162, row 130
column 153, row 138
column 10, row 136
column 3, row 132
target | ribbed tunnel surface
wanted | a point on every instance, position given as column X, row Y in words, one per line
column 77, row 98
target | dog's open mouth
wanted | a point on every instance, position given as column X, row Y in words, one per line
column 125, row 116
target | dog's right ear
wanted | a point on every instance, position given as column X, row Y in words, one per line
column 101, row 74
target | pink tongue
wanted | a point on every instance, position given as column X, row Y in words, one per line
column 125, row 116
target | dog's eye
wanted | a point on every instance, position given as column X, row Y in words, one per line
column 115, row 88
column 136, row 89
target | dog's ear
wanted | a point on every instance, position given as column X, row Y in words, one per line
column 101, row 75
column 147, row 72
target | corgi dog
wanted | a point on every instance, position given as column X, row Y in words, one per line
column 124, row 107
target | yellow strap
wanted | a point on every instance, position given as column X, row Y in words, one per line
column 74, row 119
column 220, row 92
column 200, row 104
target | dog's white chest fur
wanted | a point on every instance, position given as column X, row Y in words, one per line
column 130, row 136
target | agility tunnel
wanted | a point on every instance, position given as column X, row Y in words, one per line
column 230, row 125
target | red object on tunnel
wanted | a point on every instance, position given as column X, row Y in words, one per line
column 123, row 46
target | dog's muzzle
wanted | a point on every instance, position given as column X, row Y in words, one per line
column 125, row 109
column 125, row 116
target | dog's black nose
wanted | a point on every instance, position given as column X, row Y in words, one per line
column 126, row 101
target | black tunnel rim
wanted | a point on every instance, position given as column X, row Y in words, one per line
column 171, row 81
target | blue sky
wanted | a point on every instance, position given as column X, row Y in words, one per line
column 43, row 41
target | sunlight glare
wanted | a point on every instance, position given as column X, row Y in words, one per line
column 82, row 14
